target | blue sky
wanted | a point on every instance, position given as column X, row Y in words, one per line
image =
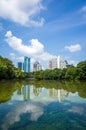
column 43, row 29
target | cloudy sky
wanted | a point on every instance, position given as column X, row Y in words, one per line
column 43, row 29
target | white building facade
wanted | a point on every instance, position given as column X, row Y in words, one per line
column 37, row 66
column 57, row 63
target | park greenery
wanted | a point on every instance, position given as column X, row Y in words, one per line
column 9, row 71
column 70, row 73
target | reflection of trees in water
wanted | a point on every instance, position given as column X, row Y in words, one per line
column 9, row 87
column 58, row 94
column 69, row 86
column 37, row 91
column 24, row 91
column 79, row 87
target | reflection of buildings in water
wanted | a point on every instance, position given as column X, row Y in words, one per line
column 24, row 92
column 31, row 93
column 37, row 91
column 19, row 92
column 59, row 94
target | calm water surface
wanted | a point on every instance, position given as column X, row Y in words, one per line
column 45, row 105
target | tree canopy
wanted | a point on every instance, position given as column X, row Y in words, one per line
column 70, row 73
column 7, row 69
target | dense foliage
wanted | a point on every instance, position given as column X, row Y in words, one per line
column 70, row 73
column 8, row 71
column 8, row 88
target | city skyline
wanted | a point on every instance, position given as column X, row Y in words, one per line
column 27, row 64
column 43, row 30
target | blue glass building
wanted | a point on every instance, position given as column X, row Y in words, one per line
column 26, row 64
column 20, row 65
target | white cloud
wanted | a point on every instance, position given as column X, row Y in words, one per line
column 13, row 56
column 22, row 11
column 46, row 56
column 83, row 12
column 73, row 48
column 35, row 50
column 83, row 8
column 78, row 110
column 34, row 109
column 16, row 58
column 1, row 27
column 21, row 58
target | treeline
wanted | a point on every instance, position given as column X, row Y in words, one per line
column 71, row 73
column 9, row 71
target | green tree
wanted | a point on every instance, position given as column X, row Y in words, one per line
column 82, row 70
column 7, row 69
column 71, row 73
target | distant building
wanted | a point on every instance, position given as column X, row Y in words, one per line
column 53, row 64
column 37, row 66
column 20, row 65
column 23, row 94
column 58, row 63
column 64, row 64
column 58, row 94
column 26, row 64
column 50, row 64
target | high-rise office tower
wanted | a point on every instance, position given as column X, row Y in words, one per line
column 64, row 64
column 37, row 66
column 50, row 64
column 20, row 65
column 53, row 64
column 59, row 62
column 26, row 64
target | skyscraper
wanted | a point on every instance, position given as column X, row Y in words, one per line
column 20, row 65
column 53, row 64
column 59, row 62
column 26, row 64
column 37, row 66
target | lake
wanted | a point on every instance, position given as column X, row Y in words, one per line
column 44, row 105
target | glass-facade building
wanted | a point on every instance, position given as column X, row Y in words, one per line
column 26, row 64
column 20, row 65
